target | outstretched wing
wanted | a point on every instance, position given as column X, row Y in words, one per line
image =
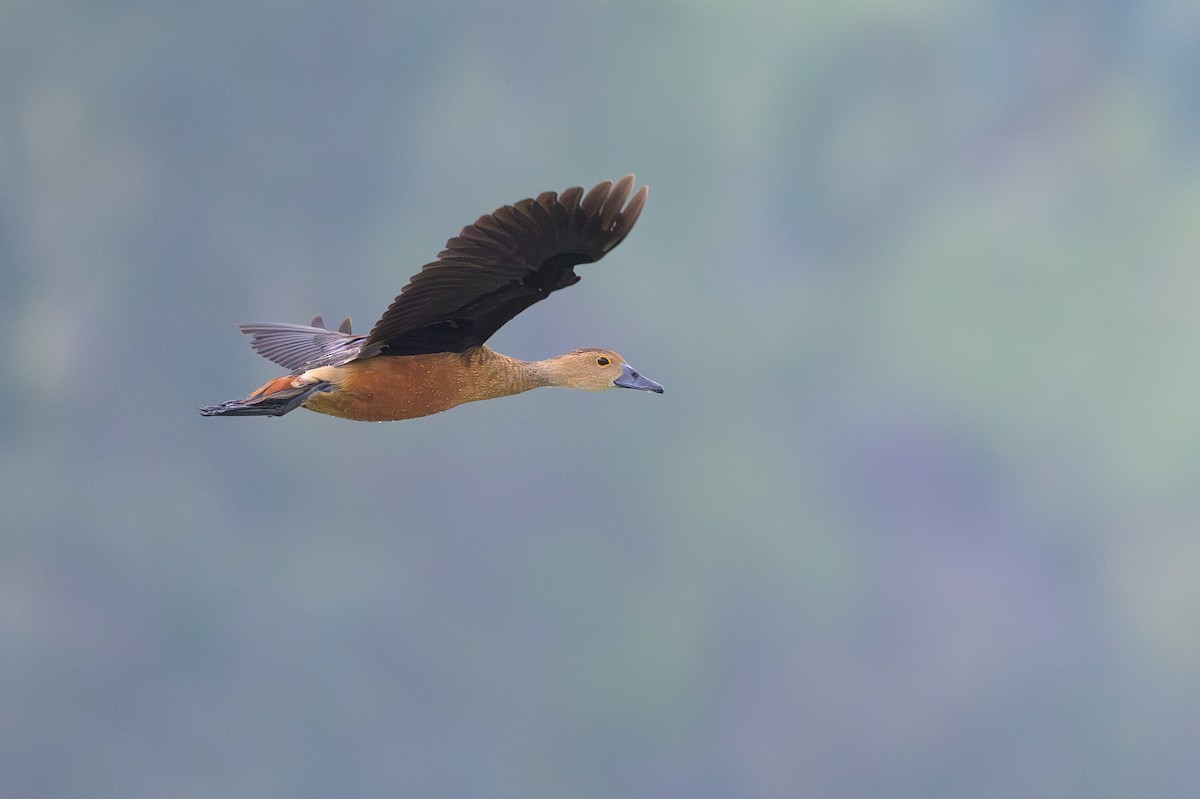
column 303, row 347
column 502, row 264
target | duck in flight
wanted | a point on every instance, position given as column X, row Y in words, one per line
column 428, row 352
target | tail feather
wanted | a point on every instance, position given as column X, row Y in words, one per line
column 268, row 402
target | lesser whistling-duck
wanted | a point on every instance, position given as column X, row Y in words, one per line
column 427, row 353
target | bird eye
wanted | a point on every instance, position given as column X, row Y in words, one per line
column 602, row 361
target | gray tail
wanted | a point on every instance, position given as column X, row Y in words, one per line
column 274, row 404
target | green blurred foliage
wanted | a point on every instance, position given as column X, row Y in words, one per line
column 915, row 517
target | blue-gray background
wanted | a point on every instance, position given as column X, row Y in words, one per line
column 917, row 516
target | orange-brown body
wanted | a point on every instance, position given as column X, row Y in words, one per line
column 388, row 389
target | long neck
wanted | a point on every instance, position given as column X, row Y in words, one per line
column 505, row 375
column 550, row 372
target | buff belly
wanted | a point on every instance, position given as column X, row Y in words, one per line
column 390, row 388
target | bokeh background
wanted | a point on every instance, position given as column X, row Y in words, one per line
column 918, row 514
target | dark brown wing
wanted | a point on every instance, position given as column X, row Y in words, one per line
column 501, row 265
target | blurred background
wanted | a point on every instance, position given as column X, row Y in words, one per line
column 918, row 514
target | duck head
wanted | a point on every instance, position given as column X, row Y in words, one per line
column 597, row 370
